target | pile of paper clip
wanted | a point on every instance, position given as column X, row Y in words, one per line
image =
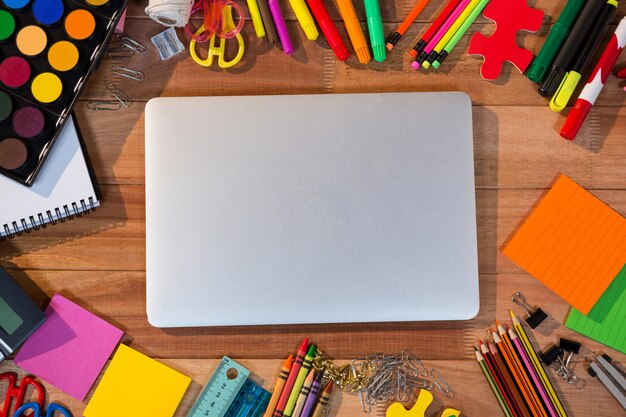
column 380, row 378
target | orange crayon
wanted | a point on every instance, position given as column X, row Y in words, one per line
column 278, row 386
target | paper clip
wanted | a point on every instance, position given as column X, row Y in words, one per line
column 127, row 72
column 122, row 52
column 119, row 94
column 534, row 316
column 441, row 383
column 136, row 46
column 104, row 105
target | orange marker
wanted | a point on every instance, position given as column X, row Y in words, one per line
column 355, row 32
column 278, row 386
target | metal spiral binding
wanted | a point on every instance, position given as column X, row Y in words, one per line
column 61, row 214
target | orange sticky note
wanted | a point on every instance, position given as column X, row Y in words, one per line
column 572, row 242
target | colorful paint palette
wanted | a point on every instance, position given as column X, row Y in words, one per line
column 48, row 49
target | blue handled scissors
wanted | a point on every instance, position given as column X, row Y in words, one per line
column 218, row 51
column 19, row 392
column 37, row 410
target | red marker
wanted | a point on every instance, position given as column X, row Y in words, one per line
column 328, row 29
column 596, row 82
column 621, row 73
column 293, row 374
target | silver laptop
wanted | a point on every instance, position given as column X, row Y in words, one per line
column 310, row 209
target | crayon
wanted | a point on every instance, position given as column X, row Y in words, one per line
column 304, row 393
column 302, row 373
column 278, row 386
column 312, row 398
column 291, row 380
column 323, row 400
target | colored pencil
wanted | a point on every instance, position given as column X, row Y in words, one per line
column 291, row 380
column 518, row 401
column 393, row 38
column 517, row 325
column 433, row 28
column 434, row 54
column 515, row 366
column 439, row 34
column 278, row 386
column 517, row 345
column 490, row 379
column 498, row 379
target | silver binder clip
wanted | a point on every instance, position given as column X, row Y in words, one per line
column 104, row 105
column 127, row 72
column 119, row 94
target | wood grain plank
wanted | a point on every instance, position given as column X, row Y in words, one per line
column 472, row 394
column 313, row 68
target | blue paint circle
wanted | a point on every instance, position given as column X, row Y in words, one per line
column 48, row 12
column 15, row 4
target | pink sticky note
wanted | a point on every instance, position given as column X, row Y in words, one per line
column 120, row 25
column 70, row 348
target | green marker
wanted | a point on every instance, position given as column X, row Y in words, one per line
column 557, row 36
column 297, row 386
column 459, row 33
column 375, row 28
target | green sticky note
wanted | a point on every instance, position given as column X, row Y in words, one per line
column 606, row 322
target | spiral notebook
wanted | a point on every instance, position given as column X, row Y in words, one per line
column 66, row 187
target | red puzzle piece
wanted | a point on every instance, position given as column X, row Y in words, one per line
column 510, row 16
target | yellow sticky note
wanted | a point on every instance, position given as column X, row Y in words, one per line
column 139, row 386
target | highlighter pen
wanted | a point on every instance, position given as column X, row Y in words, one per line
column 557, row 36
column 329, row 29
column 439, row 34
column 268, row 22
column 596, row 82
column 304, row 393
column 291, row 380
column 394, row 37
column 312, row 398
column 259, row 29
column 281, row 27
column 434, row 54
column 323, row 400
column 278, row 386
column 355, row 32
column 297, row 386
column 375, row 29
column 305, row 19
column 570, row 81
column 459, row 33
column 564, row 59
column 419, row 46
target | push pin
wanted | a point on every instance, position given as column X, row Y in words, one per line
column 534, row 316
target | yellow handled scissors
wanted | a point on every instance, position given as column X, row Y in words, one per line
column 219, row 51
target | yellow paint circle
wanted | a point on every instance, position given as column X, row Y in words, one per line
column 63, row 56
column 46, row 87
column 31, row 40
column 97, row 2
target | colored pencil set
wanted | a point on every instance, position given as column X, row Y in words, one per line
column 445, row 32
column 514, row 373
column 298, row 390
column 567, row 52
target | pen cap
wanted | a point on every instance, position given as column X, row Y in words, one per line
column 551, row 83
column 565, row 91
column 575, row 119
column 540, row 67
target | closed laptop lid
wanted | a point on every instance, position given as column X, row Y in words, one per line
column 310, row 209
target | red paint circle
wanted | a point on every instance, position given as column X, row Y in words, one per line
column 14, row 72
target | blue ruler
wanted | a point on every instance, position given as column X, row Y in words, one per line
column 230, row 393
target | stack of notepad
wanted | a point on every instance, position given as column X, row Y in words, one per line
column 65, row 187
column 576, row 245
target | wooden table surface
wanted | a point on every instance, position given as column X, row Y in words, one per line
column 99, row 260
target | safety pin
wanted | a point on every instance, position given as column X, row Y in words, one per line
column 119, row 53
column 136, row 46
column 127, row 72
column 119, row 94
column 104, row 105
column 441, row 383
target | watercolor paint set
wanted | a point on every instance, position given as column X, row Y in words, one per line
column 48, row 50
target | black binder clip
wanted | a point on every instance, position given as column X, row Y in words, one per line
column 560, row 357
column 534, row 316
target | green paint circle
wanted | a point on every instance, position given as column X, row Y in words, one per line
column 6, row 106
column 7, row 25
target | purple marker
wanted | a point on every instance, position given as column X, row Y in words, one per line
column 281, row 27
column 312, row 398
